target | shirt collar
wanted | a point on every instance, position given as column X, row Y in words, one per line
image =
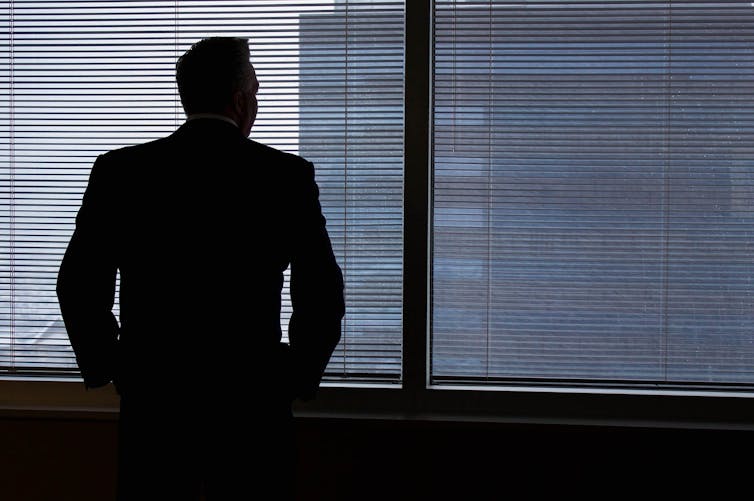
column 215, row 116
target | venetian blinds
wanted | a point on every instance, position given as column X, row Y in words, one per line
column 593, row 193
column 79, row 78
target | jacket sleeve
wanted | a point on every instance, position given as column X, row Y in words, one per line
column 86, row 281
column 316, row 291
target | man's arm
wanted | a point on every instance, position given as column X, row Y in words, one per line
column 316, row 291
column 86, row 283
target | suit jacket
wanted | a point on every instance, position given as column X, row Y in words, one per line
column 201, row 226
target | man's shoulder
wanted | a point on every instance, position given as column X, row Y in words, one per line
column 275, row 155
column 136, row 150
column 248, row 150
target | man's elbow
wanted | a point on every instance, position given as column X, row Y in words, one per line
column 62, row 290
column 340, row 305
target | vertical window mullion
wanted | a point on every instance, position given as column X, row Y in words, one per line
column 416, row 196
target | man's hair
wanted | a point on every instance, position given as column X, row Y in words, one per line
column 210, row 72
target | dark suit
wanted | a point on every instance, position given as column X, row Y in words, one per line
column 201, row 225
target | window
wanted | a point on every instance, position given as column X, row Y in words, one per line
column 80, row 78
column 573, row 220
column 593, row 194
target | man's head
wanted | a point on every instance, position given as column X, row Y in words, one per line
column 216, row 76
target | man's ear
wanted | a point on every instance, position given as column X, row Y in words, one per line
column 239, row 103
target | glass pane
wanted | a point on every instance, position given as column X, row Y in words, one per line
column 592, row 171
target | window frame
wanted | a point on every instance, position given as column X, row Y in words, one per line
column 416, row 398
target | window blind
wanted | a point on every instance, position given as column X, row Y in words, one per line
column 78, row 78
column 593, row 193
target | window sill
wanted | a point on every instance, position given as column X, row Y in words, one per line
column 63, row 399
column 60, row 398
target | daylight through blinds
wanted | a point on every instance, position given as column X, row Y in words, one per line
column 593, row 192
column 78, row 78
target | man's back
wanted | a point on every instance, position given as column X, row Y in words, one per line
column 202, row 225
column 204, row 237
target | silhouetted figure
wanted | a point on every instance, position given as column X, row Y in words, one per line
column 201, row 226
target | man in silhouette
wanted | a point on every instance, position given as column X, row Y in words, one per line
column 201, row 226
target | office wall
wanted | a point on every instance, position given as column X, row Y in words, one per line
column 59, row 459
column 54, row 459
